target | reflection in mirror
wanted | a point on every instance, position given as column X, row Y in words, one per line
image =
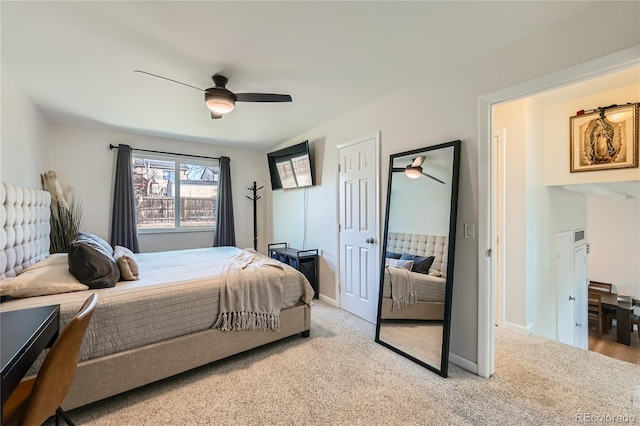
column 414, row 312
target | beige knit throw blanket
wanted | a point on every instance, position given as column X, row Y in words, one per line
column 251, row 293
column 402, row 284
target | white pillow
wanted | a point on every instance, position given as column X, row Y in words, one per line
column 51, row 276
column 434, row 272
column 406, row 264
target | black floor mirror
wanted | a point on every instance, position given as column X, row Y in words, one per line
column 416, row 278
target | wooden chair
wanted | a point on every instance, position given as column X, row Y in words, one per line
column 35, row 400
column 595, row 310
column 609, row 313
column 598, row 286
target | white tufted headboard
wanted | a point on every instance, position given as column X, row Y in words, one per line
column 24, row 228
column 421, row 245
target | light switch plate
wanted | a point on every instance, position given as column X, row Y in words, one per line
column 469, row 230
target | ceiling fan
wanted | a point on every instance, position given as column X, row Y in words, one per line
column 414, row 170
column 221, row 100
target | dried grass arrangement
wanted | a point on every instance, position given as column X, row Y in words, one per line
column 66, row 213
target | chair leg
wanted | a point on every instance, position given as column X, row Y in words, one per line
column 60, row 413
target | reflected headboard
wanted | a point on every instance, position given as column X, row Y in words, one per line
column 421, row 245
column 24, row 228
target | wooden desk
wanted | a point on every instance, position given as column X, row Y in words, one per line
column 23, row 335
column 623, row 316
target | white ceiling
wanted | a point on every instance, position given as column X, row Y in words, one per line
column 75, row 60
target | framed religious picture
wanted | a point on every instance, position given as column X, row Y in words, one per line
column 606, row 138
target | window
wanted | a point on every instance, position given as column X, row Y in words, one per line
column 174, row 192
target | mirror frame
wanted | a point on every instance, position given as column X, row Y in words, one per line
column 453, row 214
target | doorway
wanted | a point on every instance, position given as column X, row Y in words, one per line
column 486, row 269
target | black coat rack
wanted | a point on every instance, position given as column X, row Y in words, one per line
column 255, row 198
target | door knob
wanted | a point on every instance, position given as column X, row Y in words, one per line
column 370, row 240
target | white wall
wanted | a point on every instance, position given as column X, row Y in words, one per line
column 82, row 160
column 24, row 138
column 438, row 111
column 556, row 156
column 614, row 236
column 422, row 206
column 419, row 206
column 536, row 250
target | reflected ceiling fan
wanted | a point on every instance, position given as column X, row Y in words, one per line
column 414, row 170
column 221, row 100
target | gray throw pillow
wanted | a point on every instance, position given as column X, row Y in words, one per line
column 91, row 263
column 421, row 264
column 85, row 236
column 392, row 255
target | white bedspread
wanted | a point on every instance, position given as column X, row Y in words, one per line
column 178, row 293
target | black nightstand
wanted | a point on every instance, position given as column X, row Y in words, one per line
column 305, row 261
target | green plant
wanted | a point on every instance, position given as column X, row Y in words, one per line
column 66, row 213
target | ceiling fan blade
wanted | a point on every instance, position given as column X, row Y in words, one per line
column 262, row 97
column 434, row 178
column 215, row 116
column 398, row 169
column 417, row 162
column 168, row 79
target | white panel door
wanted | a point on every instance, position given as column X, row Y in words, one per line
column 564, row 243
column 359, row 248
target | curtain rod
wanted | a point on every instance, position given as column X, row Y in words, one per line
column 111, row 146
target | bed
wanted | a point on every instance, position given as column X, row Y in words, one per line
column 164, row 319
column 430, row 286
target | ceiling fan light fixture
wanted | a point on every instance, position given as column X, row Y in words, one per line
column 413, row 172
column 219, row 101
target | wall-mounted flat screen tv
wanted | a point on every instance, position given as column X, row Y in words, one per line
column 291, row 167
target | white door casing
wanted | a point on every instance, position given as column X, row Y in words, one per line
column 497, row 230
column 359, row 227
column 580, row 296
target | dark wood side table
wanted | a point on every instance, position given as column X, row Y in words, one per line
column 24, row 334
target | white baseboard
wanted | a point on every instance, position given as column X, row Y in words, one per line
column 517, row 328
column 329, row 300
column 463, row 363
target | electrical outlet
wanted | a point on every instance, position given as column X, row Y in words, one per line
column 469, row 230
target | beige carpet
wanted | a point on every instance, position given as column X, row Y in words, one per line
column 340, row 376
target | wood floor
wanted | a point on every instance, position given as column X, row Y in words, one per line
column 607, row 345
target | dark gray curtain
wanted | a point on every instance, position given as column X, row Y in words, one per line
column 225, row 234
column 124, row 231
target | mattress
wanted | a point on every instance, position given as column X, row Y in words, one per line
column 177, row 294
column 427, row 287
